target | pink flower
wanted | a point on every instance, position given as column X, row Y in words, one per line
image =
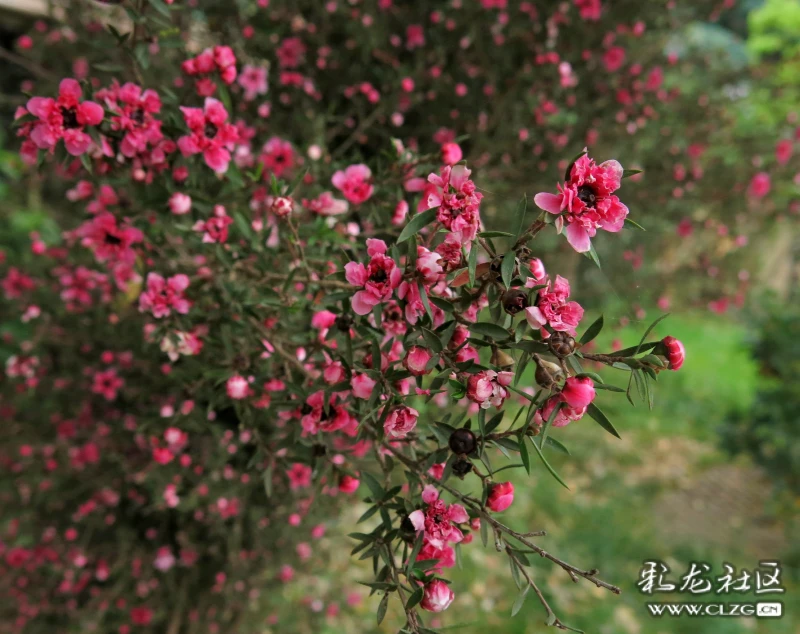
column 348, row 484
column 500, row 497
column 299, row 476
column 362, row 386
column 488, row 387
column 180, row 204
column 109, row 241
column 107, row 383
column 64, row 118
column 451, row 153
column 416, row 360
column 215, row 229
column 133, row 113
column 237, row 387
column 538, row 273
column 578, row 392
column 282, row 206
column 326, row 205
column 552, row 309
column 675, row 352
column 565, row 415
column 210, row 133
column 254, row 81
column 317, row 419
column 400, row 422
column 760, row 185
column 164, row 559
column 437, row 597
column 585, row 202
column 277, row 156
column 783, row 151
column 162, row 296
column 355, row 183
column 378, row 279
column 428, row 265
column 141, row 615
column 589, row 9
column 614, row 58
column 454, row 194
column 436, row 522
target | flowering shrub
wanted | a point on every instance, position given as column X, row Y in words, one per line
column 253, row 310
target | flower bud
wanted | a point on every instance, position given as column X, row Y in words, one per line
column 675, row 352
column 561, row 344
column 438, row 596
column 500, row 497
column 282, row 206
column 416, row 360
column 462, row 441
column 514, row 300
column 578, row 392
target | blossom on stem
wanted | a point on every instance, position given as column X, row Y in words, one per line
column 586, row 201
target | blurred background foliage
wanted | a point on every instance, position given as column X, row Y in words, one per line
column 713, row 472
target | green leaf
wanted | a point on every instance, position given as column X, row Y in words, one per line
column 592, row 255
column 159, row 6
column 415, row 598
column 648, row 331
column 413, row 557
column 488, row 329
column 472, row 264
column 520, row 601
column 552, row 442
column 597, row 414
column 547, row 465
column 629, row 173
column 507, row 268
column 373, row 484
column 519, row 216
column 417, row 222
column 592, row 331
column 424, row 298
column 634, row 224
column 495, row 234
column 443, row 304
column 382, row 608
column 523, row 454
column 432, row 340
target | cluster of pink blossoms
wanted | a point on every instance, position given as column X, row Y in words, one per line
column 220, row 59
column 453, row 193
column 586, row 202
column 64, row 118
column 552, row 310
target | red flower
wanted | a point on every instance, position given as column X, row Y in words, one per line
column 110, row 241
column 210, row 134
column 64, row 118
column 585, row 202
column 163, row 296
column 132, row 113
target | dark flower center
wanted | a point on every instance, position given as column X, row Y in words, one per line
column 210, row 130
column 112, row 239
column 587, row 195
column 379, row 276
column 138, row 116
column 69, row 117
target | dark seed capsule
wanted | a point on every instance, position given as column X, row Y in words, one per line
column 462, row 441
